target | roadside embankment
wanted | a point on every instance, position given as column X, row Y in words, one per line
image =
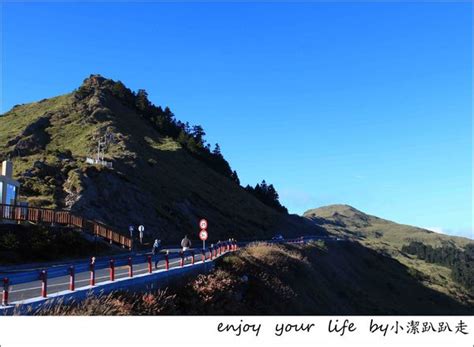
column 324, row 278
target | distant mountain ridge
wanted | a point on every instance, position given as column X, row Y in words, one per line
column 449, row 268
column 344, row 217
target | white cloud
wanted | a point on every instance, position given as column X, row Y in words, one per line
column 438, row 230
column 469, row 233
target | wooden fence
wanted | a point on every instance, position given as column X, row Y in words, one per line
column 64, row 218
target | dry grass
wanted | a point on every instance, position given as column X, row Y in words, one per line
column 272, row 254
column 114, row 304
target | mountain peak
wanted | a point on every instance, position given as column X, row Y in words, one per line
column 95, row 84
column 95, row 80
column 333, row 210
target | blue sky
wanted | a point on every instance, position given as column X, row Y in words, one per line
column 367, row 104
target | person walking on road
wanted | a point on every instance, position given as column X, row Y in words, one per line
column 186, row 243
column 155, row 251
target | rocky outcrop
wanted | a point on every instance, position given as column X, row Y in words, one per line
column 33, row 139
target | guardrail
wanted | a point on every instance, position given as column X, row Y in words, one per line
column 202, row 255
column 65, row 218
column 93, row 265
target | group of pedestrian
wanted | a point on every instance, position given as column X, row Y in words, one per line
column 185, row 246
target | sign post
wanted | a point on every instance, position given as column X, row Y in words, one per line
column 131, row 228
column 141, row 229
column 203, row 233
column 203, row 237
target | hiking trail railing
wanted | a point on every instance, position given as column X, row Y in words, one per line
column 63, row 218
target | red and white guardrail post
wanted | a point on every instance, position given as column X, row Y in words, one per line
column 167, row 261
column 150, row 268
column 130, row 267
column 112, row 269
column 44, row 283
column 92, row 272
column 6, row 284
column 192, row 257
column 181, row 263
column 72, row 278
column 203, row 255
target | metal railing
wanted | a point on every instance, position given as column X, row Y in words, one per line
column 64, row 218
column 94, row 264
column 194, row 256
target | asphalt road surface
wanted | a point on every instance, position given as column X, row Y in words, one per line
column 20, row 292
column 23, row 291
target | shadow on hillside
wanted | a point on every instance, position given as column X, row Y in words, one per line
column 172, row 195
column 352, row 279
column 342, row 278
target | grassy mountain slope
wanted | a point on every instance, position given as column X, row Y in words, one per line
column 388, row 238
column 154, row 180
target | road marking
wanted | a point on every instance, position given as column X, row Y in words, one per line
column 85, row 280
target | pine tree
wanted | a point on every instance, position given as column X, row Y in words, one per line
column 198, row 134
column 182, row 138
column 235, row 177
column 217, row 150
column 142, row 102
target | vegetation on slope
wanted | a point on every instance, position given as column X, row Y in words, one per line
column 164, row 174
column 191, row 138
column 460, row 262
column 390, row 238
column 330, row 278
column 267, row 194
column 20, row 244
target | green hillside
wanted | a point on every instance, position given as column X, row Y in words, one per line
column 160, row 179
column 392, row 239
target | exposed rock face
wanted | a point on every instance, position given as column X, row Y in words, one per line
column 33, row 139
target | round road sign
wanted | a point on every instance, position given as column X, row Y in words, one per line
column 203, row 235
column 203, row 224
column 141, row 228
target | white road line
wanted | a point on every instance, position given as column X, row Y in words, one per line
column 84, row 280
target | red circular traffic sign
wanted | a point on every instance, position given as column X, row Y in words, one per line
column 203, row 224
column 203, row 235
